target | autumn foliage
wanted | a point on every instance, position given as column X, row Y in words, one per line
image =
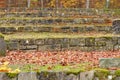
column 64, row 3
column 57, row 57
column 5, row 68
column 82, row 3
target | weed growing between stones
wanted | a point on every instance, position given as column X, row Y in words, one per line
column 10, row 73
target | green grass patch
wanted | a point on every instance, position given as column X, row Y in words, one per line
column 101, row 73
column 60, row 25
column 33, row 35
column 69, row 69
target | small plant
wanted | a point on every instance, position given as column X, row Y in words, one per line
column 4, row 67
column 13, row 73
column 10, row 73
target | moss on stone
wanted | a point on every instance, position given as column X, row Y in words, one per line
column 1, row 35
column 75, row 72
column 3, row 53
column 117, row 73
column 108, row 37
column 46, row 73
column 101, row 73
column 12, row 75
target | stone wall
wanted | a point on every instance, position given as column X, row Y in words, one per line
column 90, row 75
column 64, row 29
column 33, row 20
column 109, row 62
column 2, row 46
column 116, row 26
column 67, row 11
column 83, row 43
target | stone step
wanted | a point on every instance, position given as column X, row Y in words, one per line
column 60, row 41
column 109, row 62
column 62, row 12
column 58, row 29
column 47, row 14
column 51, row 20
column 51, row 75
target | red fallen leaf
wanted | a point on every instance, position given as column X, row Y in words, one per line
column 69, row 57
column 112, row 68
column 49, row 68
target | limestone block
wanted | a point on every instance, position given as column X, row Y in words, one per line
column 30, row 41
column 50, row 21
column 49, row 76
column 81, row 29
column 109, row 62
column 89, row 28
column 22, row 42
column 117, row 78
column 77, row 42
column 20, row 29
column 65, row 40
column 89, row 42
column 45, row 29
column 22, row 47
column 28, row 76
column 71, row 77
column 35, row 29
column 58, row 20
column 58, row 40
column 2, row 47
column 39, row 41
column 74, row 29
column 77, row 20
column 31, row 47
column 87, row 75
column 49, row 41
column 3, row 76
column 65, row 29
column 12, row 45
column 56, row 47
column 116, row 26
column 2, row 29
column 27, row 28
column 42, row 48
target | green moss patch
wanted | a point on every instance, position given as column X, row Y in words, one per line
column 69, row 69
column 101, row 73
column 117, row 73
column 1, row 35
column 12, row 75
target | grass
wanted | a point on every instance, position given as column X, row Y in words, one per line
column 76, row 68
column 101, row 73
column 55, row 25
column 33, row 35
column 36, row 18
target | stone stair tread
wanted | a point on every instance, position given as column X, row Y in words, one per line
column 35, row 35
column 109, row 62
